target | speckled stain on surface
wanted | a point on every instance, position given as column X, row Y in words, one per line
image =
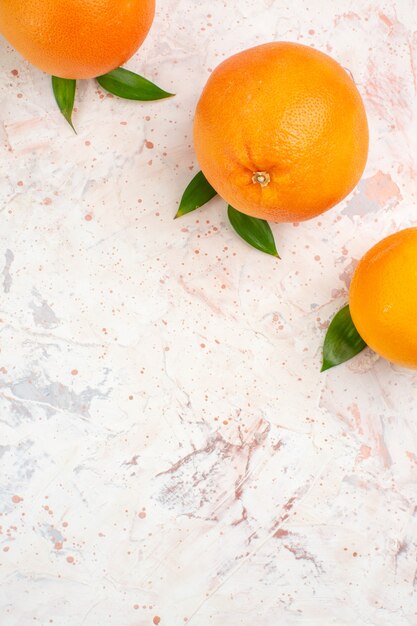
column 169, row 452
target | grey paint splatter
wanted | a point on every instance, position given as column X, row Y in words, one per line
column 16, row 413
column 7, row 281
column 43, row 315
column 3, row 450
column 56, row 395
column 52, row 534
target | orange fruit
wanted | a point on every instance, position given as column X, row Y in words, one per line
column 383, row 298
column 76, row 38
column 280, row 132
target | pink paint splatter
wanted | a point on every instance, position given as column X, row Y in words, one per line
column 16, row 499
column 413, row 66
column 338, row 293
column 384, row 18
column 354, row 409
column 364, row 453
column 411, row 456
column 381, row 188
column 382, row 450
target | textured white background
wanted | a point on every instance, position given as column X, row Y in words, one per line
column 169, row 451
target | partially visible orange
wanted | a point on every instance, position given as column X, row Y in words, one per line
column 383, row 298
column 76, row 38
column 280, row 132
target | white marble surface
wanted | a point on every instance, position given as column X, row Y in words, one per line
column 170, row 452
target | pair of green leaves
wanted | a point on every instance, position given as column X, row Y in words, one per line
column 119, row 82
column 256, row 232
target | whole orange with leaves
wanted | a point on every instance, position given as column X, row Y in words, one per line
column 281, row 132
column 76, row 38
column 383, row 298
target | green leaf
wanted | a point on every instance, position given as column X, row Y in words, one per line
column 131, row 86
column 198, row 192
column 342, row 341
column 64, row 92
column 257, row 233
